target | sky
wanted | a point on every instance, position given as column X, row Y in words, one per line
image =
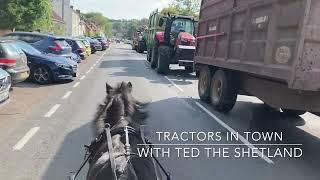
column 120, row 9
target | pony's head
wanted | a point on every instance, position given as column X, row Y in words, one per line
column 119, row 107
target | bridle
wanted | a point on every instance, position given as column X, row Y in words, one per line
column 106, row 135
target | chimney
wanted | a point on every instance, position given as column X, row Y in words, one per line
column 71, row 7
column 78, row 11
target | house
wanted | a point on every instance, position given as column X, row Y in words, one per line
column 71, row 17
column 58, row 24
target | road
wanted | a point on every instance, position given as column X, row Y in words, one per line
column 43, row 128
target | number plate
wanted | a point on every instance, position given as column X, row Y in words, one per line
column 24, row 75
column 4, row 95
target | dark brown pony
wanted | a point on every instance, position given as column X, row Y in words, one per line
column 120, row 109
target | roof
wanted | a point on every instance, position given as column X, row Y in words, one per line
column 35, row 33
column 5, row 39
column 57, row 18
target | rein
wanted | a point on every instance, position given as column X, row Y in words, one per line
column 106, row 135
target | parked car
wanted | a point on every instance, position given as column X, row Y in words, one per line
column 104, row 43
column 44, row 42
column 46, row 68
column 77, row 47
column 75, row 58
column 5, row 84
column 95, row 45
column 87, row 45
column 14, row 61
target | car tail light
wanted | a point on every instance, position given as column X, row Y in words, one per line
column 8, row 61
column 56, row 47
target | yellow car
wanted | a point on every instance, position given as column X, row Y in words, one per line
column 87, row 45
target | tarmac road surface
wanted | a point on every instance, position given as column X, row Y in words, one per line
column 43, row 128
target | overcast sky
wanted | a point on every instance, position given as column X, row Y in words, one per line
column 120, row 9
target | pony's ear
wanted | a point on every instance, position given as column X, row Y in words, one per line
column 129, row 87
column 108, row 88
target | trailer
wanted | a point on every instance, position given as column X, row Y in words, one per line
column 264, row 48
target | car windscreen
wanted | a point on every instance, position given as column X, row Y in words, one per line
column 85, row 42
column 80, row 44
column 27, row 48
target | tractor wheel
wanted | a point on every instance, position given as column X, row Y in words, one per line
column 223, row 93
column 149, row 54
column 154, row 58
column 205, row 75
column 163, row 60
column 139, row 48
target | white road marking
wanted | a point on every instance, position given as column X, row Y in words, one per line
column 174, row 84
column 244, row 141
column 25, row 138
column 83, row 77
column 66, row 96
column 88, row 72
column 52, row 110
column 76, row 84
column 91, row 68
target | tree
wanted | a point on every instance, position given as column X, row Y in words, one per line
column 183, row 7
column 126, row 28
column 100, row 20
column 25, row 15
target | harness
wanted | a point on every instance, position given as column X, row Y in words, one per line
column 106, row 135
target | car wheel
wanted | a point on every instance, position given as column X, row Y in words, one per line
column 223, row 93
column 163, row 60
column 41, row 75
column 204, row 83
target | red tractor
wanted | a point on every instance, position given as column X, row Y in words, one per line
column 174, row 45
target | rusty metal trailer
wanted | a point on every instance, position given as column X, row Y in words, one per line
column 265, row 48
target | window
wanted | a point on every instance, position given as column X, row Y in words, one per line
column 10, row 49
column 30, row 38
column 182, row 25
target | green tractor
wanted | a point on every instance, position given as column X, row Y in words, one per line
column 139, row 41
column 170, row 40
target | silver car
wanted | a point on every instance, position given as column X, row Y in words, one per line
column 5, row 84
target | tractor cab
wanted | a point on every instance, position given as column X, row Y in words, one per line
column 179, row 30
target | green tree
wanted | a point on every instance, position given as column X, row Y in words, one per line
column 126, row 28
column 26, row 15
column 183, row 7
column 101, row 20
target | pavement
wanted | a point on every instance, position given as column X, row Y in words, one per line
column 43, row 128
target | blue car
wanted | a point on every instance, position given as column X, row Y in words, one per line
column 46, row 68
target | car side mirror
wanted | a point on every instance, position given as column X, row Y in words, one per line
column 161, row 21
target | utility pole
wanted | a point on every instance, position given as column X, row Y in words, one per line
column 63, row 9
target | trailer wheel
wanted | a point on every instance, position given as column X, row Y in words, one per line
column 154, row 58
column 163, row 60
column 223, row 93
column 290, row 112
column 205, row 75
column 139, row 49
